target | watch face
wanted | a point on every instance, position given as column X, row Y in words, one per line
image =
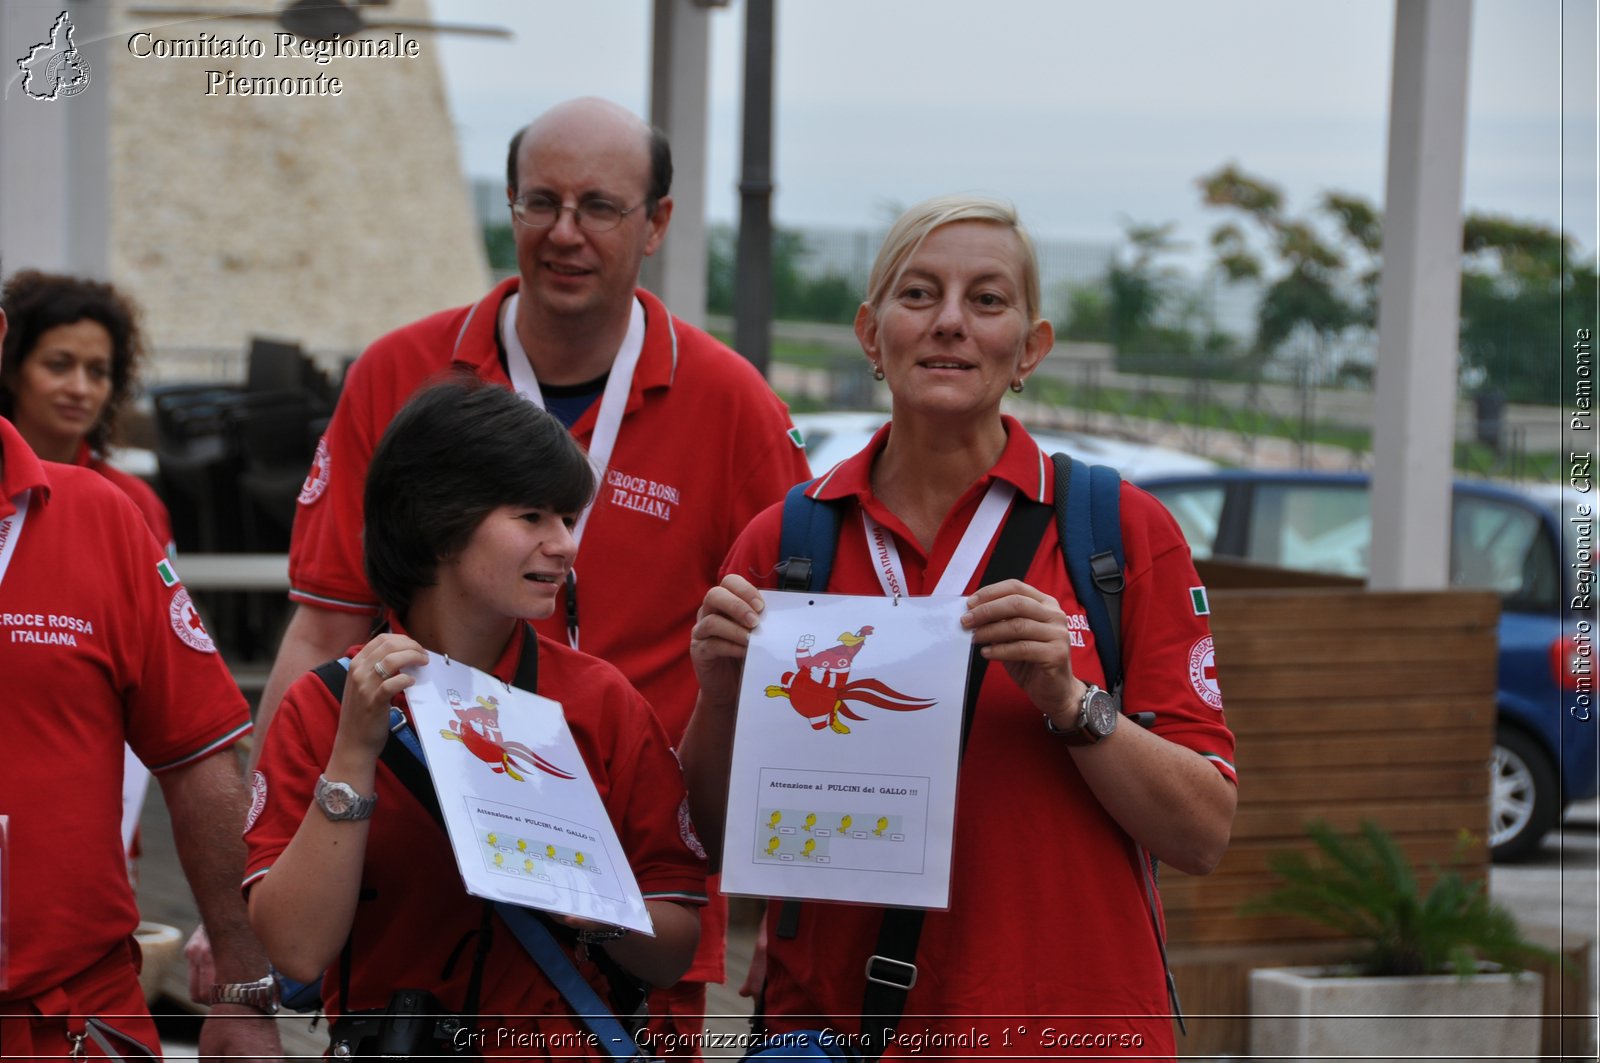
column 336, row 798
column 1101, row 709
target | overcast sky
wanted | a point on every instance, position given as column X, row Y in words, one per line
column 1083, row 113
column 1079, row 111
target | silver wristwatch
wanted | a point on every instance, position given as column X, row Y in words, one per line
column 339, row 800
column 1097, row 718
column 262, row 994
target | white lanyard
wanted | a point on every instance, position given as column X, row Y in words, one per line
column 608, row 421
column 963, row 563
column 11, row 531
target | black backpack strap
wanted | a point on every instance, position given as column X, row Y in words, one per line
column 892, row 969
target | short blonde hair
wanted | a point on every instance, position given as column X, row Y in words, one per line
column 913, row 227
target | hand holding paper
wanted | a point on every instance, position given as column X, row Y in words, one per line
column 1024, row 629
column 721, row 637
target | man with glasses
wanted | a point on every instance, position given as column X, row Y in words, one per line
column 691, row 441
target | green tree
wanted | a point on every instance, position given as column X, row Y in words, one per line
column 719, row 271
column 500, row 247
column 1518, row 283
column 1137, row 287
column 796, row 295
column 1306, row 285
column 1088, row 314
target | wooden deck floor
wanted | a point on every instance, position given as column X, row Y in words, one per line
column 164, row 897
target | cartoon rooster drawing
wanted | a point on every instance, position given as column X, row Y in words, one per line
column 820, row 685
column 478, row 728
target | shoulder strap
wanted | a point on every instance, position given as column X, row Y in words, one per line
column 892, row 969
column 1089, row 522
column 807, row 542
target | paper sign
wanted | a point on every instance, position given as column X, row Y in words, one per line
column 524, row 818
column 845, row 754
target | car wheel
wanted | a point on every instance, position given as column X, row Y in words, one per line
column 1523, row 804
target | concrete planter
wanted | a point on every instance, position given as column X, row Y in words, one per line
column 1315, row 1013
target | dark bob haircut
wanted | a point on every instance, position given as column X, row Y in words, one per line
column 457, row 451
column 660, row 168
column 37, row 302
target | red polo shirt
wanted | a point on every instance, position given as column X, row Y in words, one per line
column 99, row 644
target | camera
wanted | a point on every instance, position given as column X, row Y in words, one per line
column 414, row 1024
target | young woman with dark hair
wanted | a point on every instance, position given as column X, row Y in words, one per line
column 470, row 503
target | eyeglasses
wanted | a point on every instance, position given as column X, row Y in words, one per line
column 596, row 215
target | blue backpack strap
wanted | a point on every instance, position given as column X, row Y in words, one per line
column 1089, row 522
column 807, row 541
column 1106, row 564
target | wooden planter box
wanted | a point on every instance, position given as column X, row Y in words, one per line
column 1347, row 705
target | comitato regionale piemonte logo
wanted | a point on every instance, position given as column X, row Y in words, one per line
column 55, row 68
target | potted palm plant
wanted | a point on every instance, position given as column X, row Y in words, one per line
column 1442, row 972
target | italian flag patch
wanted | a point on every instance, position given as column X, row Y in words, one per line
column 797, row 439
column 1198, row 599
column 169, row 576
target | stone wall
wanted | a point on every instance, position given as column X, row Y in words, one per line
column 327, row 219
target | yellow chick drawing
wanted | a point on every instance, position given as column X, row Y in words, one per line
column 811, row 820
column 772, row 845
column 844, row 822
column 772, row 824
column 883, row 825
column 808, row 848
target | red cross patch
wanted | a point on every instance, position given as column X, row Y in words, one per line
column 317, row 478
column 1203, row 672
column 186, row 623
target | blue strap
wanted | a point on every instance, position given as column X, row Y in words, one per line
column 1106, row 565
column 807, row 541
column 609, row 1034
column 1078, row 545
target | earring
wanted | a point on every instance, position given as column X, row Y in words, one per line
column 877, row 371
column 1016, row 385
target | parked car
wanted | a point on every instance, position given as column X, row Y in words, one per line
column 1504, row 540
column 832, row 437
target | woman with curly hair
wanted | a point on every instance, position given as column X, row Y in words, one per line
column 70, row 363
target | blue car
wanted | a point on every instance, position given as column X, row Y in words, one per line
column 1504, row 540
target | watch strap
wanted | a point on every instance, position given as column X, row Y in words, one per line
column 262, row 994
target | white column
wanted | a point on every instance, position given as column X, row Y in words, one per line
column 679, row 77
column 54, row 154
column 1420, row 297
